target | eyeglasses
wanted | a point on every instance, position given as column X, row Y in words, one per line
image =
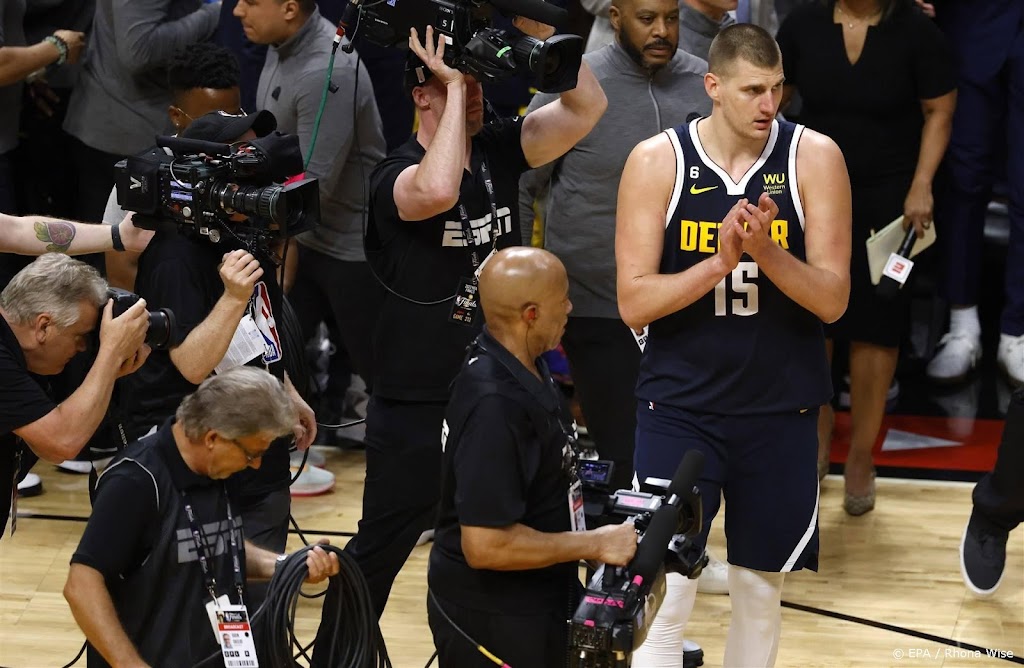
column 249, row 457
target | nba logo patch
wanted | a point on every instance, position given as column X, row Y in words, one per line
column 264, row 317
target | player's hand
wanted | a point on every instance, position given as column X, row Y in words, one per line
column 42, row 96
column 432, row 55
column 756, row 225
column 926, row 7
column 730, row 243
column 134, row 238
column 616, row 543
column 239, row 271
column 75, row 41
column 918, row 208
column 124, row 337
column 321, row 564
column 535, row 29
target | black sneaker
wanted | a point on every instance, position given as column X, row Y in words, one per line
column 693, row 655
column 982, row 557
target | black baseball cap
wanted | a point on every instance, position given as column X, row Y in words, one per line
column 416, row 72
column 224, row 128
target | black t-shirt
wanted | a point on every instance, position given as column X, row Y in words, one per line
column 418, row 348
column 504, row 463
column 181, row 274
column 22, row 402
column 872, row 109
column 138, row 537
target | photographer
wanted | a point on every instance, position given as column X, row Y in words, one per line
column 218, row 292
column 433, row 205
column 46, row 314
column 135, row 587
column 504, row 563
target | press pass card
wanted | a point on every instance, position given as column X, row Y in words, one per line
column 466, row 302
column 235, row 636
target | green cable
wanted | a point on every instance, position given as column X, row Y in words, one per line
column 323, row 103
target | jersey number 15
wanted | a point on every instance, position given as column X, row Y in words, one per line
column 745, row 303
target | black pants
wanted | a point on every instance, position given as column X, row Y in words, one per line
column 95, row 177
column 604, row 360
column 999, row 496
column 534, row 641
column 351, row 293
column 265, row 524
column 403, row 487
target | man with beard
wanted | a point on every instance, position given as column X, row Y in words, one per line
column 439, row 204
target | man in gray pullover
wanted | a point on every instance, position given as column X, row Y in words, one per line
column 651, row 84
column 332, row 271
column 121, row 98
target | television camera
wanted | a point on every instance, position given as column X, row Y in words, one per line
column 473, row 44
column 210, row 189
column 620, row 603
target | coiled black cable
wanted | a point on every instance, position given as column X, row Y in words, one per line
column 356, row 640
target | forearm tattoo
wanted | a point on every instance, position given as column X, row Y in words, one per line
column 57, row 235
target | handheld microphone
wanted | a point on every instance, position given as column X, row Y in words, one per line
column 347, row 25
column 898, row 268
column 650, row 553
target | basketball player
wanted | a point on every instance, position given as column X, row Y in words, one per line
column 733, row 244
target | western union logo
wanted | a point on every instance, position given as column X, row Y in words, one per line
column 775, row 184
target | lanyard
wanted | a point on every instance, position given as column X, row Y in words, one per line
column 467, row 228
column 204, row 561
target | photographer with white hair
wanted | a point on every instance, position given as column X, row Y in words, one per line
column 47, row 312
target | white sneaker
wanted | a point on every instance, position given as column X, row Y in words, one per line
column 315, row 458
column 32, row 485
column 957, row 356
column 312, row 481
column 714, row 579
column 425, row 537
column 1011, row 358
column 76, row 466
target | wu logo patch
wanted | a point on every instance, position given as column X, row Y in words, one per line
column 775, row 184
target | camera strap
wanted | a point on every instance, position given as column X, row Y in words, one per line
column 466, row 302
column 467, row 226
column 200, row 540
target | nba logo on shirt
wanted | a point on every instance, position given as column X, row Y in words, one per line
column 264, row 317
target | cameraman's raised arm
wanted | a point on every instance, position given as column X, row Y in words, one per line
column 35, row 235
column 205, row 346
column 549, row 132
column 432, row 187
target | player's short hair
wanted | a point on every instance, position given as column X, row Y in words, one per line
column 203, row 65
column 743, row 41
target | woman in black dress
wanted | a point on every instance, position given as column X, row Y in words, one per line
column 877, row 77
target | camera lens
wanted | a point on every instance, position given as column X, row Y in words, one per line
column 161, row 328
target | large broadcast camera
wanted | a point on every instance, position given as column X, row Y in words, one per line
column 620, row 603
column 473, row 45
column 209, row 189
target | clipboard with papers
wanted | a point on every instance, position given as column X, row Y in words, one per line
column 886, row 241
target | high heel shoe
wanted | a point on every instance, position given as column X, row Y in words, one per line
column 857, row 505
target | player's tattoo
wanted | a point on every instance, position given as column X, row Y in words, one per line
column 57, row 235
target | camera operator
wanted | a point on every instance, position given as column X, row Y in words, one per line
column 218, row 291
column 509, row 538
column 135, row 587
column 433, row 206
column 46, row 314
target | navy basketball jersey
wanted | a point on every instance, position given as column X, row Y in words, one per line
column 744, row 347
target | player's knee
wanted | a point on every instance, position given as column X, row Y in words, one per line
column 755, row 589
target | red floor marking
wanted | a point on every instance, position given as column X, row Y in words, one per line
column 980, row 440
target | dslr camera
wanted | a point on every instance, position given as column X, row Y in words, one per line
column 620, row 603
column 161, row 322
column 210, row 189
column 474, row 45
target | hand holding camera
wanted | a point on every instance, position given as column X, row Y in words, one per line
column 616, row 543
column 239, row 271
column 123, row 337
column 432, row 55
